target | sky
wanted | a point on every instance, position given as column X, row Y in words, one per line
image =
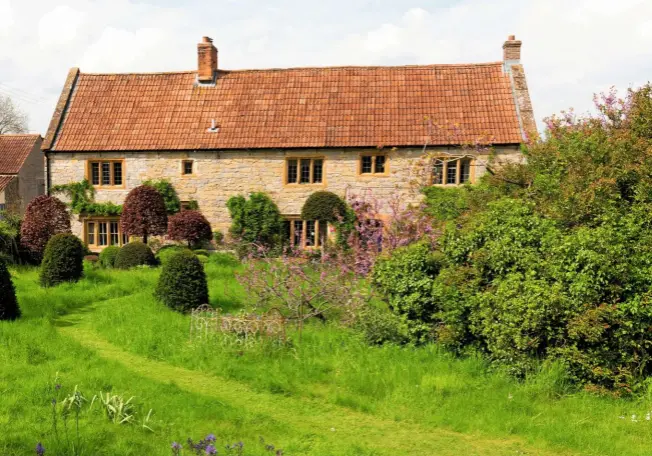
column 571, row 48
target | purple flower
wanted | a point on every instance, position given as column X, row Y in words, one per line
column 210, row 438
column 40, row 451
column 176, row 448
column 210, row 449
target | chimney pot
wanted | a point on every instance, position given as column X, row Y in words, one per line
column 512, row 49
column 206, row 60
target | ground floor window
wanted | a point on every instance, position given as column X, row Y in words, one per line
column 306, row 233
column 100, row 233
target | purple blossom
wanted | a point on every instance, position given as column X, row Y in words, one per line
column 210, row 438
column 210, row 449
column 176, row 448
column 40, row 450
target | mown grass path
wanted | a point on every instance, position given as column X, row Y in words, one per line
column 310, row 417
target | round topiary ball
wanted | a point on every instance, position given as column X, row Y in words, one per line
column 134, row 254
column 108, row 256
column 324, row 206
column 182, row 284
column 63, row 260
column 9, row 309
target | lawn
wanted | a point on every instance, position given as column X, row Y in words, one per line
column 330, row 394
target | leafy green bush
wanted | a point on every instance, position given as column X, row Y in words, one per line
column 108, row 256
column 379, row 327
column 203, row 258
column 405, row 279
column 446, row 203
column 169, row 194
column 62, row 260
column 255, row 222
column 324, row 206
column 9, row 309
column 134, row 254
column 167, row 251
column 182, row 284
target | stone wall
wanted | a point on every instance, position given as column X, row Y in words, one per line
column 221, row 174
column 31, row 178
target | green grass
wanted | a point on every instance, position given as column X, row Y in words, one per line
column 329, row 395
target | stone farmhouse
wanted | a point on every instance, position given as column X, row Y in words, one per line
column 21, row 171
column 215, row 133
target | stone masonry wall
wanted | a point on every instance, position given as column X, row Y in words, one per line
column 221, row 174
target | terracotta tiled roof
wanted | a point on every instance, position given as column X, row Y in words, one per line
column 14, row 149
column 300, row 107
column 4, row 181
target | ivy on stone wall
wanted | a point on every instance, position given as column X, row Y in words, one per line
column 82, row 199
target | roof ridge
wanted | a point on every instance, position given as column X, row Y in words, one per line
column 342, row 67
column 4, row 135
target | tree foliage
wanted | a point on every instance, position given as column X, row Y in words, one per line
column 144, row 213
column 189, row 226
column 169, row 194
column 63, row 260
column 549, row 259
column 45, row 216
column 82, row 199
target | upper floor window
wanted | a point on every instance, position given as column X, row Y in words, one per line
column 373, row 164
column 451, row 171
column 106, row 173
column 186, row 167
column 304, row 171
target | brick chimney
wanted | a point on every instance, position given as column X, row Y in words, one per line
column 207, row 60
column 512, row 50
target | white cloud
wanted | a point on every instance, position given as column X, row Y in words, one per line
column 50, row 31
column 570, row 48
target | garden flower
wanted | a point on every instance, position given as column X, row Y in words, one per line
column 40, row 451
column 176, row 448
column 210, row 438
column 210, row 449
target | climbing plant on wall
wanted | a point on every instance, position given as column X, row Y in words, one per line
column 82, row 199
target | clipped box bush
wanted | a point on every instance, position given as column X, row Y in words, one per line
column 324, row 206
column 108, row 256
column 182, row 284
column 63, row 260
column 166, row 252
column 9, row 309
column 134, row 254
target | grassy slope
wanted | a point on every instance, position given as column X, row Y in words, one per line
column 379, row 400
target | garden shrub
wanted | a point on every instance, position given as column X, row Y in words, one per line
column 108, row 256
column 445, row 203
column 134, row 254
column 405, row 278
column 62, row 260
column 256, row 222
column 182, row 284
column 379, row 327
column 218, row 237
column 324, row 206
column 202, row 258
column 166, row 252
column 9, row 309
column 45, row 216
column 189, row 226
column 144, row 213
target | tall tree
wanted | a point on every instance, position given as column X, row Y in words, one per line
column 144, row 213
column 12, row 119
column 45, row 216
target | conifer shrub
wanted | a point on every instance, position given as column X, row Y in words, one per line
column 108, row 256
column 324, row 206
column 63, row 260
column 182, row 284
column 134, row 254
column 166, row 252
column 9, row 309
